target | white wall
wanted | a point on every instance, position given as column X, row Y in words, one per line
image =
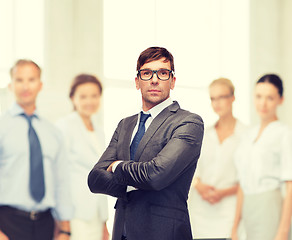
column 270, row 47
column 22, row 36
column 73, row 45
column 286, row 57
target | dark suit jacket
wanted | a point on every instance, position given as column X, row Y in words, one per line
column 165, row 162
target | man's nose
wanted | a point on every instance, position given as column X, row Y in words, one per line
column 154, row 79
column 25, row 86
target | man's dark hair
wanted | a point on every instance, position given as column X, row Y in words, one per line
column 153, row 54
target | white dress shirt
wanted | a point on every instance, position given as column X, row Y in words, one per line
column 14, row 164
column 154, row 112
column 265, row 163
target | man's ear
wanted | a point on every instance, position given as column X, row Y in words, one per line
column 41, row 86
column 172, row 84
column 137, row 83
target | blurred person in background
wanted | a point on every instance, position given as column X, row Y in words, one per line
column 33, row 165
column 264, row 162
column 212, row 201
column 85, row 144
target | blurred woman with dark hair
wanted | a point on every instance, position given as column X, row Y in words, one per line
column 264, row 165
column 85, row 144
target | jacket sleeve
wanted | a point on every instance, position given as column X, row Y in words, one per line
column 102, row 181
column 182, row 149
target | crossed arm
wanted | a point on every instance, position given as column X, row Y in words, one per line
column 182, row 149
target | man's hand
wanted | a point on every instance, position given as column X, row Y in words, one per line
column 110, row 167
column 3, row 236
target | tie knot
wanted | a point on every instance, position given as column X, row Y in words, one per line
column 27, row 117
column 144, row 117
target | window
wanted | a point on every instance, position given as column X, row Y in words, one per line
column 22, row 24
column 209, row 39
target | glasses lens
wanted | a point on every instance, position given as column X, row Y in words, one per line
column 146, row 74
column 163, row 74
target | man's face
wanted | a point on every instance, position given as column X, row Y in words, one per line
column 155, row 91
column 25, row 84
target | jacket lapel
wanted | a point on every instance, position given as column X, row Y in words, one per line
column 154, row 126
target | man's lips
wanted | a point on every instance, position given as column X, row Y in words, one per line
column 25, row 94
column 154, row 90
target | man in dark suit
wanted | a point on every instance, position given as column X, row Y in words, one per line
column 151, row 174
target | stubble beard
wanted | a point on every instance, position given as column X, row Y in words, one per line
column 152, row 101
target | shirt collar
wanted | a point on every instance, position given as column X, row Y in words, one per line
column 159, row 107
column 16, row 110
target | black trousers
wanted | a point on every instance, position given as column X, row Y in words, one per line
column 21, row 225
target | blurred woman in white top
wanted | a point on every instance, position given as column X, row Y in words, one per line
column 264, row 164
column 85, row 144
column 212, row 200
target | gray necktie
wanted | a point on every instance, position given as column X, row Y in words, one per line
column 36, row 175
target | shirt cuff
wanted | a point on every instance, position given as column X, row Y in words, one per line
column 115, row 165
column 131, row 188
column 64, row 213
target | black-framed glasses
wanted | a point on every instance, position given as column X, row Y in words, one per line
column 220, row 98
column 147, row 74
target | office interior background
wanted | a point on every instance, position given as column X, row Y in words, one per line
column 237, row 39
